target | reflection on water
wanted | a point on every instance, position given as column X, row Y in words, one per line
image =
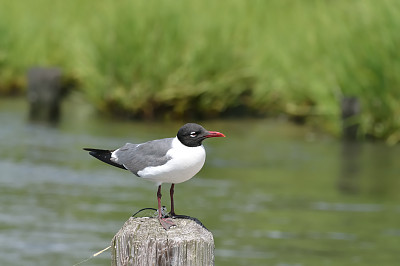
column 349, row 178
column 271, row 193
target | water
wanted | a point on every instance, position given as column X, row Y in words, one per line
column 272, row 193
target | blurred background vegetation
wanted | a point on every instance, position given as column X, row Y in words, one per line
column 203, row 59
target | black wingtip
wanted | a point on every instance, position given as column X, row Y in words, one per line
column 96, row 150
column 104, row 156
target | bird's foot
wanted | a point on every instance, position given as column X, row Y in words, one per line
column 166, row 223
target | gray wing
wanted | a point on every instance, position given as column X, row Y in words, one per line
column 136, row 157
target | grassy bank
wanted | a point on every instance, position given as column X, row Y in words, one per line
column 207, row 58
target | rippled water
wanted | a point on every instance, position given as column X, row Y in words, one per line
column 272, row 193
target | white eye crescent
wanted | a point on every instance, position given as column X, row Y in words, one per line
column 193, row 134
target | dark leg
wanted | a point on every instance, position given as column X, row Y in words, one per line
column 165, row 222
column 171, row 193
column 159, row 201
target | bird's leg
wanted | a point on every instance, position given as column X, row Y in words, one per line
column 165, row 222
column 171, row 194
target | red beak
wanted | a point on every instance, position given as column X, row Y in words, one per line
column 214, row 134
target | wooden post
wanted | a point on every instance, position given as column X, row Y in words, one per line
column 45, row 92
column 351, row 108
column 143, row 241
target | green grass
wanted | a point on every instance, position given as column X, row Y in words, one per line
column 173, row 59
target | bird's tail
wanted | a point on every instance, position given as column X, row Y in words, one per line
column 104, row 156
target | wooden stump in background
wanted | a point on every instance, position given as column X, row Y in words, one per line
column 351, row 108
column 142, row 241
column 45, row 93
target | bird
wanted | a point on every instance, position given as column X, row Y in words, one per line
column 169, row 160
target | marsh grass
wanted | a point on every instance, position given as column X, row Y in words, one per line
column 173, row 59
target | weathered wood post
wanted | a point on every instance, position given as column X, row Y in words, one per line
column 143, row 241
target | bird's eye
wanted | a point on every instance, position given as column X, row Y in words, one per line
column 193, row 134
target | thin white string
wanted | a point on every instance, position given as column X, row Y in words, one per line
column 94, row 255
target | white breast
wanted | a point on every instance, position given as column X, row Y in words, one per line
column 184, row 164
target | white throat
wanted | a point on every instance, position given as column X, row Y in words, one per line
column 185, row 162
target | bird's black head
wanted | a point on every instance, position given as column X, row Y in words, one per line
column 192, row 135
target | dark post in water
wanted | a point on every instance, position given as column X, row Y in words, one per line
column 350, row 110
column 45, row 93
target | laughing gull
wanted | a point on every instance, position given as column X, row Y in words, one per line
column 169, row 160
